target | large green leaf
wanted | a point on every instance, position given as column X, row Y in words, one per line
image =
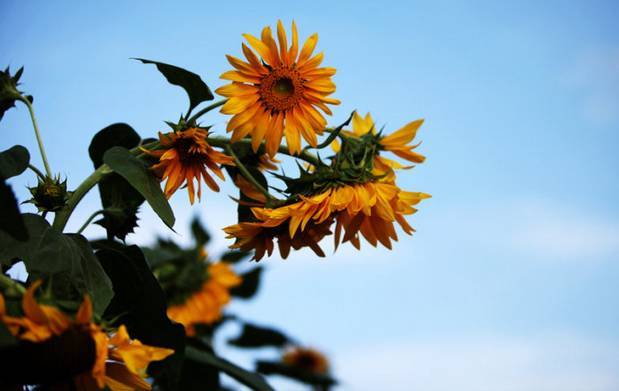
column 11, row 220
column 13, row 161
column 66, row 260
column 140, row 304
column 250, row 284
column 196, row 89
column 200, row 234
column 251, row 380
column 142, row 179
column 254, row 336
column 119, row 199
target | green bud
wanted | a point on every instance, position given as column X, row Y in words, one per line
column 50, row 194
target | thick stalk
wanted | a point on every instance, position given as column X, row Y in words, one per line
column 245, row 172
column 9, row 284
column 223, row 142
column 89, row 220
column 38, row 135
column 61, row 218
column 206, row 110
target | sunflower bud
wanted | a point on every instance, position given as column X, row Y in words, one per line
column 50, row 194
column 8, row 89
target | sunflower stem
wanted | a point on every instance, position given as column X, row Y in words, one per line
column 37, row 134
column 89, row 220
column 205, row 110
column 248, row 175
column 36, row 171
column 11, row 285
column 61, row 217
column 223, row 142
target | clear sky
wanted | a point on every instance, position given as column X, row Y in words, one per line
column 510, row 282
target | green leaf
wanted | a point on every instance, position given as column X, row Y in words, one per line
column 278, row 368
column 250, row 284
column 141, row 178
column 66, row 260
column 200, row 233
column 197, row 376
column 251, row 380
column 140, row 304
column 13, row 161
column 196, row 89
column 254, row 336
column 11, row 220
column 118, row 198
column 234, row 256
column 115, row 135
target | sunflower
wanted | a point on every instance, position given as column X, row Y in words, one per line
column 369, row 208
column 397, row 142
column 306, row 359
column 278, row 91
column 259, row 236
column 184, row 156
column 205, row 306
column 120, row 362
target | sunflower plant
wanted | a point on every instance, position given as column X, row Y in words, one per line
column 101, row 313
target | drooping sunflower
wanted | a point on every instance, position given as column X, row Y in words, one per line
column 120, row 362
column 370, row 209
column 185, row 156
column 278, row 91
column 259, row 236
column 306, row 359
column 396, row 142
column 205, row 306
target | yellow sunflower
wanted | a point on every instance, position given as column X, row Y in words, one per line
column 120, row 362
column 397, row 142
column 278, row 91
column 184, row 156
column 206, row 305
column 259, row 236
column 369, row 208
column 307, row 359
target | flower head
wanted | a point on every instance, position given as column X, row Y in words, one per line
column 306, row 359
column 205, row 306
column 278, row 91
column 120, row 362
column 396, row 142
column 184, row 156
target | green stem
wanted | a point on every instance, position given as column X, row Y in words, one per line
column 61, row 218
column 89, row 220
column 206, row 110
column 248, row 175
column 223, row 142
column 36, row 171
column 10, row 284
column 38, row 135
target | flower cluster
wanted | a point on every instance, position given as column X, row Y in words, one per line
column 120, row 361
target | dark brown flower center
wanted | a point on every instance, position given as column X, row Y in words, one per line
column 281, row 89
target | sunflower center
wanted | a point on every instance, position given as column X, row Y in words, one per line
column 281, row 89
column 188, row 151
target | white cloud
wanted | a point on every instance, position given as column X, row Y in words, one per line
column 546, row 230
column 506, row 364
column 595, row 74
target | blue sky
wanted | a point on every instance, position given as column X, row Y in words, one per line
column 510, row 281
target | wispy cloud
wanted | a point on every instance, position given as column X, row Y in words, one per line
column 562, row 363
column 595, row 75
